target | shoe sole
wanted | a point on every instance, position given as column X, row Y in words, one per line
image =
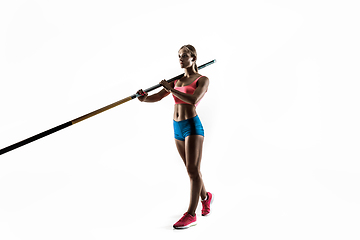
column 212, row 200
column 187, row 226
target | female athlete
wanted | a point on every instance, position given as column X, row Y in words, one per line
column 188, row 130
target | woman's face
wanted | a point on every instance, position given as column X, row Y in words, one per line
column 185, row 59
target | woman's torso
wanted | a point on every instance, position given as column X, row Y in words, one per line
column 185, row 111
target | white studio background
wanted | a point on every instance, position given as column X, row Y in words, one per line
column 281, row 119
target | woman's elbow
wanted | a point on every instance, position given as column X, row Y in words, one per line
column 194, row 101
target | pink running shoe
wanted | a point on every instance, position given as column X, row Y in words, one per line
column 206, row 204
column 185, row 222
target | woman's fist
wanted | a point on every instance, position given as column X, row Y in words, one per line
column 143, row 95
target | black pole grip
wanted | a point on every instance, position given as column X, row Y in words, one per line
column 34, row 138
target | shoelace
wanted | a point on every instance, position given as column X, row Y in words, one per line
column 186, row 218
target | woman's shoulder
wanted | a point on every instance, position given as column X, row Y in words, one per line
column 203, row 79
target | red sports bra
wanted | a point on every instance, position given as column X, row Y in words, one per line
column 188, row 89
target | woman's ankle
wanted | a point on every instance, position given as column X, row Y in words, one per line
column 191, row 213
column 204, row 198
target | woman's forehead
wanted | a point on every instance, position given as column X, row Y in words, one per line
column 183, row 50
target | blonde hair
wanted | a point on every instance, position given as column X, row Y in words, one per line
column 192, row 52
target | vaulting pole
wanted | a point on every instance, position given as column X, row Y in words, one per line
column 79, row 119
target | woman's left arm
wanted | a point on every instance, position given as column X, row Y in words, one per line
column 203, row 84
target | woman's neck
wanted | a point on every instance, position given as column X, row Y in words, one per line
column 189, row 71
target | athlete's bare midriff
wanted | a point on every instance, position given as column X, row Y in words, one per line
column 184, row 111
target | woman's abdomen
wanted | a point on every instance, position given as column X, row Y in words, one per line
column 184, row 111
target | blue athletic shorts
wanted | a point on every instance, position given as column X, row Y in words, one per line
column 191, row 126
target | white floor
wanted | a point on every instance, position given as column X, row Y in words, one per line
column 128, row 193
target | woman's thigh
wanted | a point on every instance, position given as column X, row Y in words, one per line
column 193, row 151
column 180, row 145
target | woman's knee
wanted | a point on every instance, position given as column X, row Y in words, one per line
column 194, row 172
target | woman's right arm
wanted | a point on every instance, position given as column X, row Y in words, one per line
column 155, row 97
column 152, row 98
